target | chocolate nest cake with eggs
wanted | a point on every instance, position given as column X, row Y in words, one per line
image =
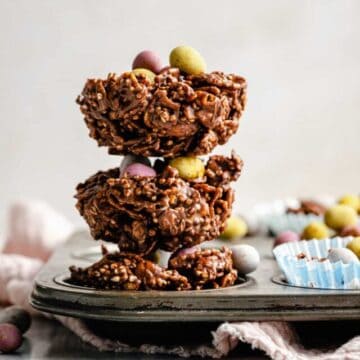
column 174, row 114
column 142, row 214
column 174, row 203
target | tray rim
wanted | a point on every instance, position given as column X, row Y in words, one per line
column 313, row 314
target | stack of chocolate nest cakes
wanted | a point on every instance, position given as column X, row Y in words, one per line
column 162, row 196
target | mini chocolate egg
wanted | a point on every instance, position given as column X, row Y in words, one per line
column 285, row 237
column 147, row 73
column 187, row 251
column 354, row 246
column 246, row 258
column 10, row 338
column 17, row 316
column 235, row 228
column 189, row 167
column 350, row 230
column 130, row 159
column 148, row 59
column 342, row 254
column 351, row 200
column 188, row 60
column 339, row 216
column 315, row 230
column 138, row 169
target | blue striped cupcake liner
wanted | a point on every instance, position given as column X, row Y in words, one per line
column 313, row 273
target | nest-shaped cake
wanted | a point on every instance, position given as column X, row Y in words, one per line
column 308, row 207
column 202, row 269
column 206, row 268
column 177, row 114
column 142, row 214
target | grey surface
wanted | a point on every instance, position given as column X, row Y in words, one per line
column 259, row 299
column 47, row 339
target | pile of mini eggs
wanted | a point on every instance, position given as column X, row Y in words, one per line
column 342, row 220
column 185, row 58
column 188, row 167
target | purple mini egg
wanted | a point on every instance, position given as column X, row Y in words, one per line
column 148, row 59
column 10, row 338
column 138, row 169
column 132, row 159
column 187, row 251
column 285, row 237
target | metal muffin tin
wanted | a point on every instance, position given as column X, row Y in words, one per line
column 262, row 296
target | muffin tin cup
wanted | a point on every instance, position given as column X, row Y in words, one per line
column 313, row 273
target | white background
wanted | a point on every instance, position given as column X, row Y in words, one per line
column 300, row 132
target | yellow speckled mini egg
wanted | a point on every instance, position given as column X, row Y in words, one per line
column 188, row 60
column 354, row 246
column 189, row 167
column 339, row 216
column 235, row 228
column 315, row 230
column 351, row 200
column 147, row 73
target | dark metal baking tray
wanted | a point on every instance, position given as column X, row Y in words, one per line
column 262, row 296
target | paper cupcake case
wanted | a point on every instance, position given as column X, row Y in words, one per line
column 272, row 217
column 314, row 273
column 278, row 223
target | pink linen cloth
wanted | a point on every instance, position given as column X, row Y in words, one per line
column 35, row 230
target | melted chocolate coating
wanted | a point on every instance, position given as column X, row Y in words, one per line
column 142, row 214
column 176, row 115
column 204, row 269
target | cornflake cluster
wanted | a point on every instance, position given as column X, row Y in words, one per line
column 174, row 203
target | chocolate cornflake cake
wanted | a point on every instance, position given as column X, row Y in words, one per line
column 206, row 268
column 142, row 214
column 126, row 271
column 308, row 207
column 203, row 269
column 175, row 202
column 177, row 114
